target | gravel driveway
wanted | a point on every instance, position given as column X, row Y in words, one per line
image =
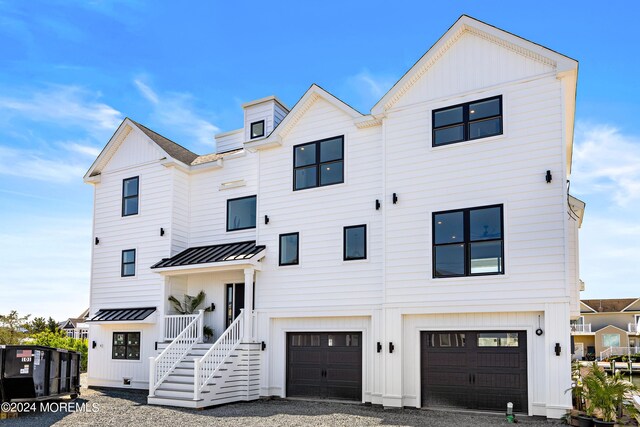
column 129, row 408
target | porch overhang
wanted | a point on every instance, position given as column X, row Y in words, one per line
column 212, row 258
column 124, row 315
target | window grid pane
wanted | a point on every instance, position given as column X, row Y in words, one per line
column 241, row 213
column 318, row 163
column 472, row 120
column 130, row 192
column 468, row 242
column 289, row 249
column 355, row 242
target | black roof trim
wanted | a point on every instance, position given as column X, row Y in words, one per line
column 237, row 251
column 122, row 314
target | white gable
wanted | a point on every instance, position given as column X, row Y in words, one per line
column 470, row 63
column 135, row 149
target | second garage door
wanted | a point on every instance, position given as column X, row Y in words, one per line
column 474, row 369
column 326, row 365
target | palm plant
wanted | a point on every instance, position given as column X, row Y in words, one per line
column 189, row 305
column 606, row 393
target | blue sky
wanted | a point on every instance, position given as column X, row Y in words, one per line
column 70, row 71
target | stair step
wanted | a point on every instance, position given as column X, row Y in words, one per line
column 175, row 386
column 177, row 378
column 175, row 401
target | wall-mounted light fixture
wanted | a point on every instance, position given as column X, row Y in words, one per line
column 558, row 349
column 161, row 231
column 213, row 307
column 97, row 240
column 548, row 177
column 266, row 219
column 263, row 345
column 377, row 204
column 379, row 347
column 395, row 198
column 391, row 347
column 93, row 344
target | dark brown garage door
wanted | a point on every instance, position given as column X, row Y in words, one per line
column 325, row 365
column 474, row 370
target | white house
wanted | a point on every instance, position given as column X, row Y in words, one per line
column 422, row 255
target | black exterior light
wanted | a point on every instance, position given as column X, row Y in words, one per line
column 93, row 344
column 213, row 307
column 263, row 345
column 161, row 231
column 97, row 240
column 266, row 219
column 377, row 204
column 395, row 198
column 548, row 177
column 558, row 349
column 391, row 347
column 379, row 347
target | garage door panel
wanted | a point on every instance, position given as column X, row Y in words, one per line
column 484, row 371
column 327, row 366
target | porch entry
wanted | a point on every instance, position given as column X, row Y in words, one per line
column 234, row 302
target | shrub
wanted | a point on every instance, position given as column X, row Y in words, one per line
column 61, row 340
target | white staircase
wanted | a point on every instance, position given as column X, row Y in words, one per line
column 206, row 374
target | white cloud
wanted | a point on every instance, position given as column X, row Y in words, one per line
column 64, row 106
column 34, row 165
column 177, row 110
column 87, row 150
column 606, row 162
column 369, row 88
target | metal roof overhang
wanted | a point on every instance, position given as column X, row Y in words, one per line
column 124, row 315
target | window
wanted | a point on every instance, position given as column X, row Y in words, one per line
column 445, row 339
column 468, row 242
column 130, row 196
column 498, row 339
column 473, row 120
column 611, row 340
column 355, row 242
column 257, row 129
column 241, row 213
column 305, row 340
column 126, row 345
column 289, row 248
column 128, row 263
column 319, row 163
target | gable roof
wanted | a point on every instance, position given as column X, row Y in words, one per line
column 307, row 100
column 173, row 149
column 463, row 25
column 613, row 305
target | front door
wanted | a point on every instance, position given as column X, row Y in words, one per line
column 235, row 301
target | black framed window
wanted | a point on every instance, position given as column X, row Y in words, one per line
column 126, row 345
column 257, row 129
column 289, row 249
column 319, row 163
column 130, row 192
column 128, row 267
column 468, row 242
column 355, row 242
column 463, row 122
column 241, row 213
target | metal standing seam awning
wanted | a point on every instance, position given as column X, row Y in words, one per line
column 212, row 257
column 124, row 315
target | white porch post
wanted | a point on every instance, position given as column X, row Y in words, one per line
column 248, row 304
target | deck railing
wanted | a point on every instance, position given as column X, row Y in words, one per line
column 634, row 328
column 618, row 351
column 160, row 367
column 208, row 365
column 581, row 327
column 176, row 323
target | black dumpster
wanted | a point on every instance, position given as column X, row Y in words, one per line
column 32, row 372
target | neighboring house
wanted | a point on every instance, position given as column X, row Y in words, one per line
column 76, row 327
column 607, row 327
column 405, row 257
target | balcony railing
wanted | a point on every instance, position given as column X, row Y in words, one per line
column 581, row 327
column 619, row 351
column 634, row 328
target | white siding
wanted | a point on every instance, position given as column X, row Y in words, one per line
column 229, row 141
column 322, row 278
column 255, row 113
column 507, row 169
column 180, row 212
column 141, row 232
column 278, row 113
column 471, row 63
column 208, row 213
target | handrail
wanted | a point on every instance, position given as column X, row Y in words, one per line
column 161, row 367
column 208, row 365
column 176, row 323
